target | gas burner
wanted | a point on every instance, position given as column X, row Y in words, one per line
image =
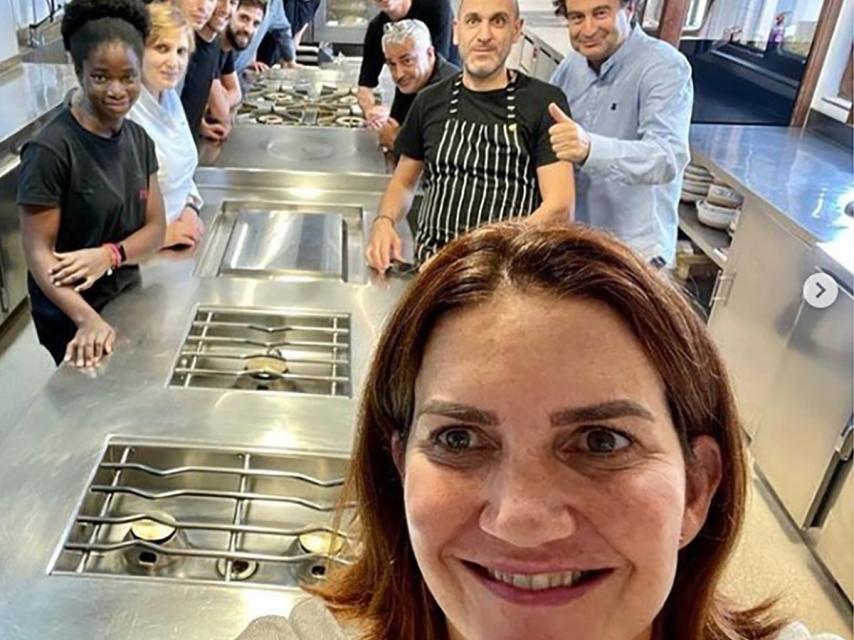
column 352, row 122
column 207, row 514
column 153, row 539
column 270, row 118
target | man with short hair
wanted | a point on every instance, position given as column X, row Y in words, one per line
column 631, row 98
column 414, row 64
column 272, row 43
column 439, row 18
column 226, row 92
column 204, row 61
column 481, row 138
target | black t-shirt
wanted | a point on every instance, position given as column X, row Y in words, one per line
column 203, row 67
column 403, row 101
column 226, row 63
column 100, row 186
column 436, row 14
column 420, row 135
column 300, row 13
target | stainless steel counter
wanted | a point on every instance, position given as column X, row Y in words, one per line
column 801, row 179
column 30, row 91
column 48, row 457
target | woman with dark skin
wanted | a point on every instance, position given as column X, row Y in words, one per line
column 91, row 205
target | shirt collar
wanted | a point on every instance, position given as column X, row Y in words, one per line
column 624, row 52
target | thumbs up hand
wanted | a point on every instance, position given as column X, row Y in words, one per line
column 570, row 141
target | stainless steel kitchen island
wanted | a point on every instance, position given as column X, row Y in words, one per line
column 61, row 452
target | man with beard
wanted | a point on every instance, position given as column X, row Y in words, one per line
column 226, row 92
column 481, row 138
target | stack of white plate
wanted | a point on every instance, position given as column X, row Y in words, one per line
column 720, row 208
column 695, row 183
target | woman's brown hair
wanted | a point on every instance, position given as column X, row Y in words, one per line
column 383, row 590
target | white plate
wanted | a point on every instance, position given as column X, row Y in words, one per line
column 722, row 196
column 691, row 197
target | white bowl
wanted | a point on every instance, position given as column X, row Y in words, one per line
column 722, row 196
column 690, row 186
column 715, row 217
column 691, row 197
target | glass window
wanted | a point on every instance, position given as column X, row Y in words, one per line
column 348, row 13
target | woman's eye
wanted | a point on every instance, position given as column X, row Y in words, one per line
column 456, row 439
column 605, row 441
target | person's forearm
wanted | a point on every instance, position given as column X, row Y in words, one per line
column 145, row 242
column 218, row 103
column 72, row 304
column 648, row 162
column 553, row 213
column 396, row 201
column 366, row 99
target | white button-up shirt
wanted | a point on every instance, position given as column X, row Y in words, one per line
column 166, row 124
column 637, row 110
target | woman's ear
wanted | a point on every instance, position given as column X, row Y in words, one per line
column 703, row 477
column 398, row 452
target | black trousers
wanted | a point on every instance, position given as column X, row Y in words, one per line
column 55, row 330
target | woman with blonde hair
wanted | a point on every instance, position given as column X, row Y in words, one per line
column 159, row 111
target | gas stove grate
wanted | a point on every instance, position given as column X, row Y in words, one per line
column 223, row 515
column 258, row 350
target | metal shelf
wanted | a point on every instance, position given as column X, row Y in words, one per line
column 712, row 242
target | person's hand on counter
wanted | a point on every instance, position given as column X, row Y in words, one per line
column 570, row 141
column 259, row 67
column 94, row 340
column 376, row 117
column 86, row 265
column 216, row 131
column 384, row 245
column 187, row 230
column 388, row 133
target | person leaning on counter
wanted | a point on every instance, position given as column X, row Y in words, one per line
column 414, row 64
column 202, row 67
column 159, row 111
column 439, row 18
column 482, row 140
column 631, row 98
column 226, row 91
column 89, row 195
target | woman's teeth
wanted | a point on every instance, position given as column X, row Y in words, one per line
column 539, row 581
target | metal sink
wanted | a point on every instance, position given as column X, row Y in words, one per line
column 208, row 514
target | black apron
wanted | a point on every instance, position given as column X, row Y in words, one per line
column 481, row 173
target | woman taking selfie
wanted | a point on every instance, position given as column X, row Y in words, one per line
column 547, row 449
column 90, row 202
column 159, row 111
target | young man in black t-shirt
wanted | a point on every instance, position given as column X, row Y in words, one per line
column 202, row 69
column 481, row 139
column 236, row 34
column 439, row 18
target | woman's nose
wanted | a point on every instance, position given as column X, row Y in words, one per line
column 525, row 508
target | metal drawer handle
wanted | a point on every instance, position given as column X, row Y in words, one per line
column 845, row 444
column 720, row 293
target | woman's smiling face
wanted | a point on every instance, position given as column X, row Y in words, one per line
column 544, row 483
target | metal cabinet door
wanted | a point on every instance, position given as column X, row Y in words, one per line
column 834, row 544
column 757, row 300
column 13, row 267
column 809, row 407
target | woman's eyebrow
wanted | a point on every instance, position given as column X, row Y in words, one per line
column 600, row 411
column 461, row 412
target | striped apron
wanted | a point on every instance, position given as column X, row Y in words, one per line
column 477, row 174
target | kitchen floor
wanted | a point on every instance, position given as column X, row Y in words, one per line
column 771, row 560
